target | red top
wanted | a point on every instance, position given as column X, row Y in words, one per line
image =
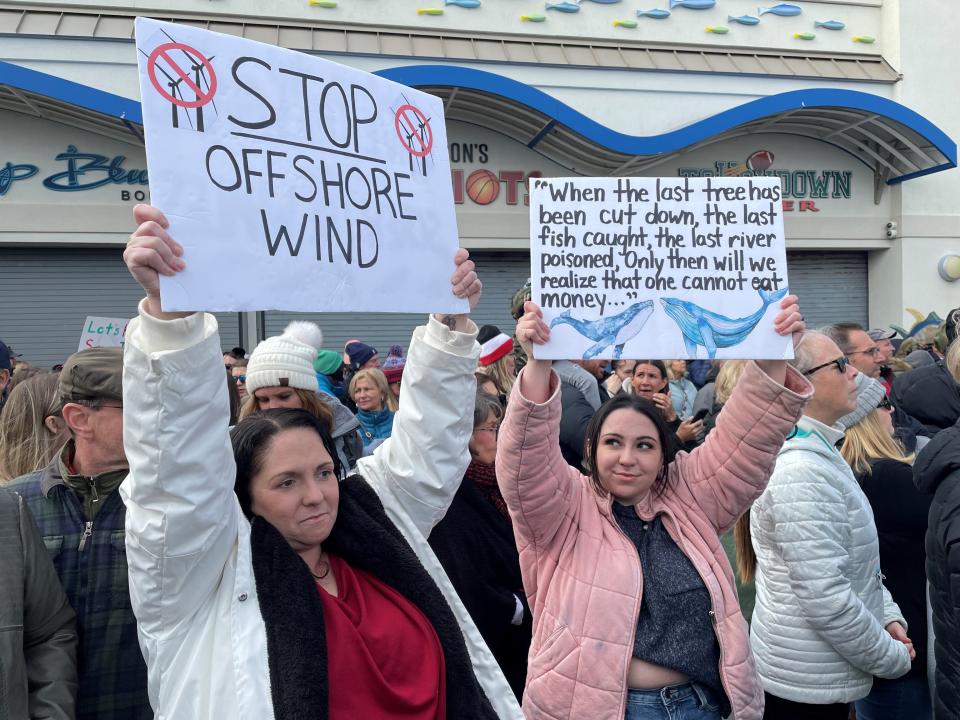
column 384, row 659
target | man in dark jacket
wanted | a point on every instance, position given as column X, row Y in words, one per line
column 582, row 392
column 38, row 638
column 937, row 471
column 80, row 515
column 930, row 394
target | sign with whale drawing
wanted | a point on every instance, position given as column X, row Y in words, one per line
column 659, row 267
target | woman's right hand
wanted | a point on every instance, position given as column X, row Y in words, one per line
column 532, row 330
column 151, row 252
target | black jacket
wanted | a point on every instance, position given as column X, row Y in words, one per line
column 293, row 614
column 937, row 471
column 575, row 416
column 929, row 394
column 476, row 547
column 900, row 512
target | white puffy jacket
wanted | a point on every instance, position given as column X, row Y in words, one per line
column 188, row 543
column 818, row 625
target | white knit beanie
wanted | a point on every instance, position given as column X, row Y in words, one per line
column 286, row 360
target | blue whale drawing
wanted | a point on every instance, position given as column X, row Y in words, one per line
column 615, row 331
column 712, row 330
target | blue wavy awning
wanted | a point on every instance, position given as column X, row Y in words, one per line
column 895, row 142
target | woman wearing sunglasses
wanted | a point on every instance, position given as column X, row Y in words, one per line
column 885, row 472
column 824, row 625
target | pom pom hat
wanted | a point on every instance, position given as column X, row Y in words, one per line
column 286, row 360
column 394, row 364
column 495, row 348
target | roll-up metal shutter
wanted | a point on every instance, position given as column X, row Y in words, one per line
column 832, row 286
column 47, row 293
column 502, row 273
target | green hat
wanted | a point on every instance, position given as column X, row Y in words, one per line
column 94, row 374
column 519, row 298
column 327, row 362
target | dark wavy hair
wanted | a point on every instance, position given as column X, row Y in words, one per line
column 645, row 408
column 253, row 435
column 658, row 364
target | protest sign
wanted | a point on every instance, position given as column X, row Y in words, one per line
column 294, row 183
column 659, row 267
column 103, row 332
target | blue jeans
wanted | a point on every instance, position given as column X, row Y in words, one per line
column 690, row 701
column 906, row 697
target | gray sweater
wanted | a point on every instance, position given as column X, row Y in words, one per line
column 675, row 628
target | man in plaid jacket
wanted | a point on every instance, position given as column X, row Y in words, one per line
column 80, row 515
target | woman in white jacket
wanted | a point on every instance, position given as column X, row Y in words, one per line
column 824, row 624
column 298, row 596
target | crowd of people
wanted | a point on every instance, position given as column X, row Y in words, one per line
column 463, row 530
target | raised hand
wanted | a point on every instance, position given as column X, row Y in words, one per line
column 532, row 330
column 465, row 285
column 150, row 253
column 789, row 321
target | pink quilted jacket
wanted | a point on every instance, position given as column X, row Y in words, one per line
column 581, row 573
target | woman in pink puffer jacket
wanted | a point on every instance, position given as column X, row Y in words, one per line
column 635, row 611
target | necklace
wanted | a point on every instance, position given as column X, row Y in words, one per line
column 324, row 570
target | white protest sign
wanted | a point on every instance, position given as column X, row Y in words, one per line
column 103, row 332
column 294, row 183
column 659, row 267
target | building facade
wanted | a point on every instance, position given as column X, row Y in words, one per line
column 848, row 103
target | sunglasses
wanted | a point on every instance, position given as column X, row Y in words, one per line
column 241, row 378
column 884, row 404
column 840, row 363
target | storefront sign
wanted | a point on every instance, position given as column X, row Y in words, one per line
column 488, row 171
column 317, row 187
column 103, row 332
column 78, row 172
column 659, row 267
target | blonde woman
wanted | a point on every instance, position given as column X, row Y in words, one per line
column 885, row 473
column 682, row 390
column 371, row 394
column 32, row 430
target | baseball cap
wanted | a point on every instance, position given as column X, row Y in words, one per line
column 94, row 374
column 879, row 334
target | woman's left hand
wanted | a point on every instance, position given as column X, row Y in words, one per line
column 465, row 285
column 789, row 321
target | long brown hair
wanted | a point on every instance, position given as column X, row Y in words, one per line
column 746, row 558
column 26, row 443
column 310, row 401
column 645, row 408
